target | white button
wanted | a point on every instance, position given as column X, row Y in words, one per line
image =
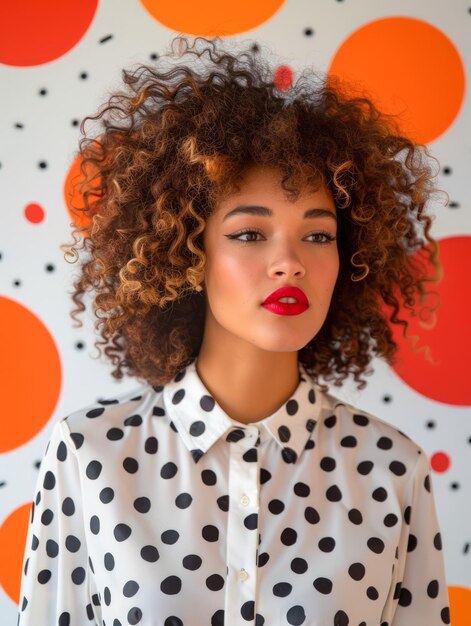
column 243, row 574
column 244, row 500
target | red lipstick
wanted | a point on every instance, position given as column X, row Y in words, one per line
column 286, row 308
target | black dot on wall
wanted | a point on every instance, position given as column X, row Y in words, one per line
column 454, row 205
column 50, row 267
column 105, row 39
column 43, row 91
column 3, row 483
column 42, row 165
column 19, row 125
column 37, row 464
column 447, row 170
column 154, row 56
column 17, row 283
column 83, row 75
column 465, row 547
column 387, row 399
column 455, row 486
column 469, row 439
column 308, row 32
column 430, row 424
column 75, row 122
column 80, row 345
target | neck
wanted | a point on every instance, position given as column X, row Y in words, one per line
column 249, row 388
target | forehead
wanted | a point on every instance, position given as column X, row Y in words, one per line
column 262, row 182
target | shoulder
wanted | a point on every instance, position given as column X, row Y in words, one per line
column 357, row 428
column 110, row 418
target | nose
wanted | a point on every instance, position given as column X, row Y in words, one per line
column 287, row 262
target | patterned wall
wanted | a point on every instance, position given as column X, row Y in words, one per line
column 60, row 59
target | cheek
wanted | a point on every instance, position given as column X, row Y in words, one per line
column 234, row 276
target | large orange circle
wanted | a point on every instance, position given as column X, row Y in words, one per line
column 13, row 532
column 35, row 32
column 408, row 67
column 212, row 18
column 449, row 341
column 31, row 374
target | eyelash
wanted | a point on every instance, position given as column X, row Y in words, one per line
column 235, row 236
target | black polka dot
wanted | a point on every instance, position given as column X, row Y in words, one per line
column 326, row 544
column 375, row 544
column 44, row 576
column 130, row 588
column 142, row 504
column 299, row 565
column 311, row 515
column 437, row 541
column 215, row 582
column 283, row 589
column 122, row 532
column 295, row 616
column 327, row 464
column 52, row 548
column 171, row 585
column 364, row 467
column 397, row 468
column 302, row 490
column 432, row 589
column 411, row 543
column 106, row 495
column 384, row 443
column 183, row 500
column 150, row 554
column 68, row 506
column 109, row 561
column 356, row 571
column 360, row 420
column 288, row 536
column 348, row 442
column 405, row 597
column 380, row 494
column 323, row 585
column 197, row 428
column 445, row 615
column 276, row 506
column 210, row 533
column 130, row 465
column 341, row 619
column 114, row 434
column 390, row 520
column 93, row 469
column 49, row 480
column 72, row 543
column 78, row 575
column 64, row 619
column 333, row 494
column 355, row 516
column 169, row 536
column 208, row 477
column 133, row 420
column 95, row 524
column 192, row 562
column 372, row 593
column 168, row 470
column 151, row 445
column 247, row 610
column 134, row 615
column 330, row 421
column 61, row 451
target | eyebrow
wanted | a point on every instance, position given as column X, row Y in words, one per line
column 253, row 209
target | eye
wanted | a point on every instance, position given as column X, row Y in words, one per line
column 323, row 234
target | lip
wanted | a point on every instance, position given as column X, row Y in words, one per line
column 288, row 292
column 286, row 308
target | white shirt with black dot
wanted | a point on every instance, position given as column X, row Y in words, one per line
column 157, row 508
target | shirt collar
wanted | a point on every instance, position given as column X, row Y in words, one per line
column 200, row 421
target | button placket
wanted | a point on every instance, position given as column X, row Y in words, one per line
column 242, row 541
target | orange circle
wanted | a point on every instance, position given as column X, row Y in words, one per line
column 446, row 379
column 31, row 373
column 13, row 533
column 34, row 32
column 440, row 461
column 460, row 605
column 212, row 18
column 283, row 77
column 408, row 67
column 34, row 213
column 73, row 193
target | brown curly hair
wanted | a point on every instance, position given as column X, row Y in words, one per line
column 178, row 140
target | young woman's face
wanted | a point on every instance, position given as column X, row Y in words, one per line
column 287, row 249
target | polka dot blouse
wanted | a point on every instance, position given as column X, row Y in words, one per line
column 157, row 508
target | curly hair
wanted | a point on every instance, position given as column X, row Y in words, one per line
column 178, row 139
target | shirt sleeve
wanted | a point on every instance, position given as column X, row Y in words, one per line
column 420, row 595
column 55, row 581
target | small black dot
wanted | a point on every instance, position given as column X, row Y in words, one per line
column 83, row 75
column 43, row 92
column 455, row 485
column 447, row 170
column 154, row 56
column 430, row 424
column 387, row 399
column 454, row 205
column 42, row 165
column 308, row 32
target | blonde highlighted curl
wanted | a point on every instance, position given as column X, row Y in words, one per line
column 177, row 140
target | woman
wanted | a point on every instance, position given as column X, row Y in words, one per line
column 244, row 242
